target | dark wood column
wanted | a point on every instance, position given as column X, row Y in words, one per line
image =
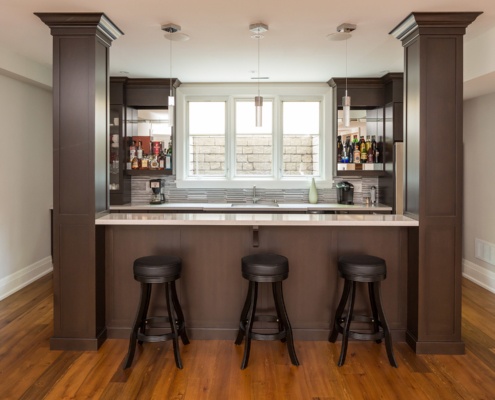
column 80, row 179
column 433, row 82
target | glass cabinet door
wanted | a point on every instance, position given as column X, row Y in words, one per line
column 116, row 144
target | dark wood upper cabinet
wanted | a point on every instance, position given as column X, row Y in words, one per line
column 149, row 93
column 381, row 100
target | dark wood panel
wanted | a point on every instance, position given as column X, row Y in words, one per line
column 212, row 276
column 117, row 90
column 439, row 138
column 212, row 287
column 126, row 245
column 438, row 281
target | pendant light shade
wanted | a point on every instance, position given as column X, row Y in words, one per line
column 346, row 106
column 257, row 30
column 258, row 104
column 173, row 35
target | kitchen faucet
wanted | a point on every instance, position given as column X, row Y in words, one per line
column 255, row 199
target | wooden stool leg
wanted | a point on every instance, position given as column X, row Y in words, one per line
column 140, row 321
column 253, row 295
column 279, row 314
column 347, row 324
column 384, row 325
column 374, row 311
column 180, row 314
column 173, row 324
column 340, row 310
column 242, row 321
column 279, row 299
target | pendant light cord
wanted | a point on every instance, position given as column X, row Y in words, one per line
column 346, row 66
column 259, row 38
column 170, row 60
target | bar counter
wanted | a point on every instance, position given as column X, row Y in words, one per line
column 252, row 219
column 211, row 288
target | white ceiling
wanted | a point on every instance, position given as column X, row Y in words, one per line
column 295, row 48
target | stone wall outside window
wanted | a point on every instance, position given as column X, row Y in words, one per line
column 254, row 155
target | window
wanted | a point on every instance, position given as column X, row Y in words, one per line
column 206, row 144
column 301, row 138
column 218, row 144
column 253, row 145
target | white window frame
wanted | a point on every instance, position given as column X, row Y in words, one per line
column 278, row 93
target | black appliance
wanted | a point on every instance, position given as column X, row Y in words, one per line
column 345, row 193
column 156, row 186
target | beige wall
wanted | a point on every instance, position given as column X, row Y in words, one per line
column 479, row 180
column 25, row 182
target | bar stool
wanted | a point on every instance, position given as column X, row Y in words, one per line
column 265, row 268
column 158, row 269
column 371, row 270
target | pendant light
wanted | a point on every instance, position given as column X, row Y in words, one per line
column 344, row 33
column 173, row 35
column 258, row 30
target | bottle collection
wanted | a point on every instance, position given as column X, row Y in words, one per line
column 354, row 151
column 157, row 157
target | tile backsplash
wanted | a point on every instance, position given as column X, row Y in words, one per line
column 141, row 192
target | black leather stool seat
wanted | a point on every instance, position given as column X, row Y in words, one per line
column 371, row 270
column 265, row 268
column 157, row 269
column 151, row 270
column 362, row 268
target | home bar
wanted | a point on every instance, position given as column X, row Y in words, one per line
column 95, row 295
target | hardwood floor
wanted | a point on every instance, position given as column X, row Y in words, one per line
column 29, row 370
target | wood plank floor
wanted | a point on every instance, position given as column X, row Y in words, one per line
column 29, row 370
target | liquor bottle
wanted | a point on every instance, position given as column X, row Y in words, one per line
column 364, row 153
column 168, row 156
column 345, row 151
column 368, row 143
column 355, row 140
column 135, row 163
column 374, row 148
column 378, row 153
column 154, row 164
column 370, row 155
column 139, row 151
column 350, row 152
column 357, row 154
column 144, row 163
column 339, row 149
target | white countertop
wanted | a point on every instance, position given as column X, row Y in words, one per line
column 251, row 219
column 262, row 206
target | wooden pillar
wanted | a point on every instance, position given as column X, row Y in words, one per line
column 80, row 179
column 433, row 82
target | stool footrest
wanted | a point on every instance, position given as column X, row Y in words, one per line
column 155, row 338
column 282, row 334
column 143, row 337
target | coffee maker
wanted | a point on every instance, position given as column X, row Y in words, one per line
column 345, row 193
column 156, row 186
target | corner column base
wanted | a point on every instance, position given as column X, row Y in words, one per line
column 78, row 344
column 447, row 348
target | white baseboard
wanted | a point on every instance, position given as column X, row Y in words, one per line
column 16, row 281
column 479, row 275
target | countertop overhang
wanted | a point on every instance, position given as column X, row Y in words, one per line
column 261, row 206
column 253, row 219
